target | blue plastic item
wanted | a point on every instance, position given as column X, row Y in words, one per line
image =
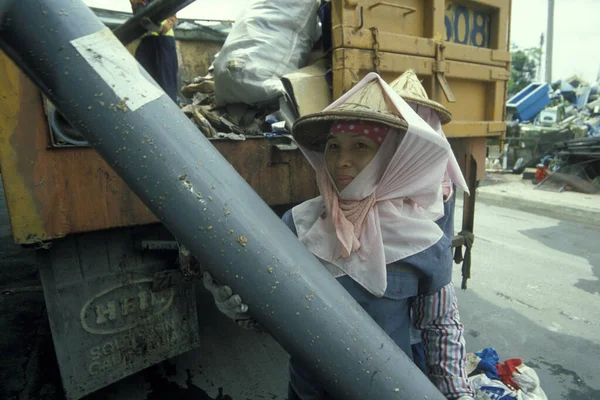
column 583, row 96
column 529, row 101
column 489, row 359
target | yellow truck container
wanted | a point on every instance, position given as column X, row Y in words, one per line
column 459, row 48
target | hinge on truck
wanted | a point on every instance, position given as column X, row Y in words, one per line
column 439, row 69
column 376, row 58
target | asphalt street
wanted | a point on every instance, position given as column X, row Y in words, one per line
column 535, row 295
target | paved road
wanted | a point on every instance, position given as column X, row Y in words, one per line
column 535, row 294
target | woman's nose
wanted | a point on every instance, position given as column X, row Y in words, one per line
column 344, row 159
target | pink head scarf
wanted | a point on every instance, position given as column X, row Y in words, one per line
column 375, row 132
column 349, row 216
column 453, row 172
column 387, row 212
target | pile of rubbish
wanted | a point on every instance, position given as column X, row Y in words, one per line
column 232, row 121
column 510, row 380
column 257, row 83
column 575, row 165
column 542, row 115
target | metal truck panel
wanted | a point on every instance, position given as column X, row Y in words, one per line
column 53, row 192
column 474, row 31
column 459, row 49
column 107, row 321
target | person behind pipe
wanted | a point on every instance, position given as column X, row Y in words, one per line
column 380, row 228
column 157, row 51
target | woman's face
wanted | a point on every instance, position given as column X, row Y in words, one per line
column 346, row 155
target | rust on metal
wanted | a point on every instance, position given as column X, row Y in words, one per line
column 55, row 192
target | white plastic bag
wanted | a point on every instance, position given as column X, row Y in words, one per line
column 270, row 39
column 495, row 390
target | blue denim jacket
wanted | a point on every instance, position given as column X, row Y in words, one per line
column 422, row 273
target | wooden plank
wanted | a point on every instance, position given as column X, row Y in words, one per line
column 499, row 4
column 479, row 96
column 275, row 181
column 347, row 37
column 434, row 18
column 460, row 52
column 463, row 147
column 501, row 28
column 307, row 187
column 363, row 60
column 344, row 78
column 468, row 129
column 405, row 16
column 497, row 127
column 497, row 110
column 24, row 211
column 269, row 177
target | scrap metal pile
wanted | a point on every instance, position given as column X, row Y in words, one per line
column 542, row 115
column 233, row 121
column 575, row 165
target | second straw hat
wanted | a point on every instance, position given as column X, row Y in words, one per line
column 410, row 89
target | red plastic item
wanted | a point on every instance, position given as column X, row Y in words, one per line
column 540, row 174
column 506, row 371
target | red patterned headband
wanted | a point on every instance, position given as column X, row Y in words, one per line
column 373, row 131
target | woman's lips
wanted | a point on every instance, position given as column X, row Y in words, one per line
column 344, row 179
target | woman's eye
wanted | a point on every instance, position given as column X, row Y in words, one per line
column 361, row 145
column 333, row 146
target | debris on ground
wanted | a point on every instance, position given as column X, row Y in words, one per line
column 575, row 165
column 539, row 117
column 511, row 379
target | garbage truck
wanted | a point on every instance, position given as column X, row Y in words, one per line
column 88, row 187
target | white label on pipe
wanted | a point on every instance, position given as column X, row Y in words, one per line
column 115, row 65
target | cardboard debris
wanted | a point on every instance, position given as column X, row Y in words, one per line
column 205, row 84
column 230, row 136
column 206, row 87
column 307, row 92
column 202, row 123
column 308, row 88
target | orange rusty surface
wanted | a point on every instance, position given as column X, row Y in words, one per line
column 51, row 193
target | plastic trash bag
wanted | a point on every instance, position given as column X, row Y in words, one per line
column 270, row 39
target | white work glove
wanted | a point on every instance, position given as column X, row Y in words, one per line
column 150, row 26
column 230, row 304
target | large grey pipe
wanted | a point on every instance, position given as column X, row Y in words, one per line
column 198, row 195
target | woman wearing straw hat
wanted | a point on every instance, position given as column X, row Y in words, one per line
column 379, row 171
column 410, row 89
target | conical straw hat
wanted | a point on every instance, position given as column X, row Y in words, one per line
column 369, row 104
column 410, row 89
